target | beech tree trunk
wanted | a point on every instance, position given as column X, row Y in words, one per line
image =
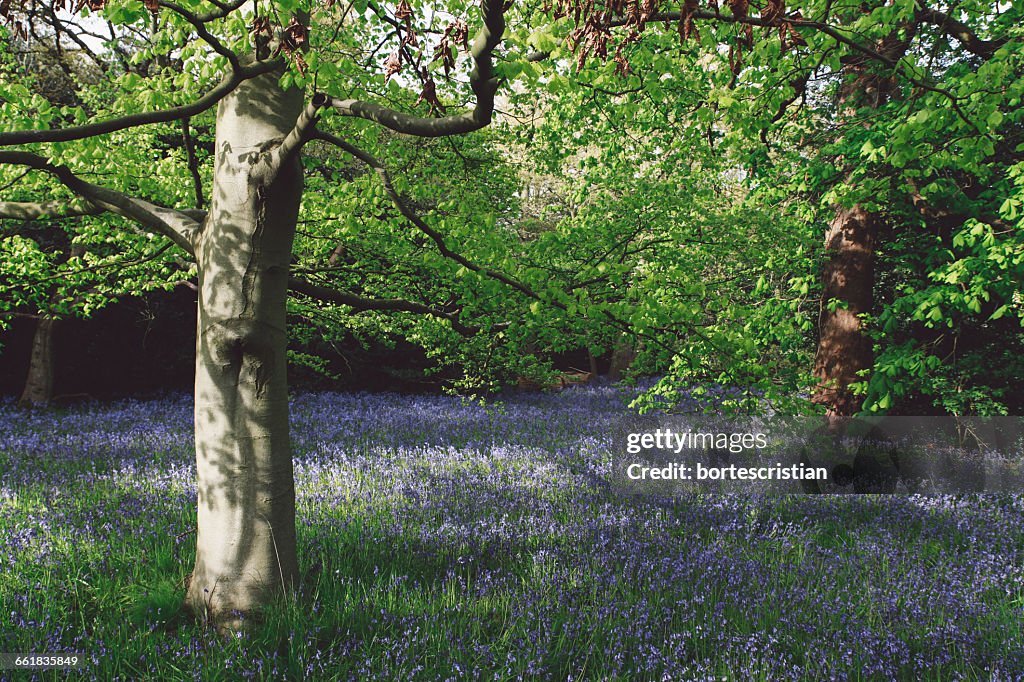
column 245, row 554
column 623, row 354
column 38, row 388
column 245, row 548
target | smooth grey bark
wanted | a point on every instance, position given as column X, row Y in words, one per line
column 246, row 550
column 623, row 354
column 38, row 389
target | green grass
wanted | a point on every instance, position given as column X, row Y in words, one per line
column 436, row 563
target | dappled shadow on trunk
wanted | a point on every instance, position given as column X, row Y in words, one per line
column 246, row 514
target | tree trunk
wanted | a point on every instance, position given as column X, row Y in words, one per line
column 623, row 354
column 246, row 553
column 38, row 388
column 39, row 383
column 848, row 278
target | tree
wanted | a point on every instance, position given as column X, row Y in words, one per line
column 660, row 212
column 907, row 70
column 61, row 266
column 242, row 245
column 895, row 97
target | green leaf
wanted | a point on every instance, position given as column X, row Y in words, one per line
column 886, row 402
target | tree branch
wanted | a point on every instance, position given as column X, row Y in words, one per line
column 193, row 162
column 229, row 83
column 822, row 27
column 482, row 81
column 412, row 217
column 960, row 31
column 200, row 27
column 71, row 30
column 178, row 226
column 223, row 9
column 121, row 265
column 442, row 247
column 25, row 210
column 300, row 133
column 359, row 304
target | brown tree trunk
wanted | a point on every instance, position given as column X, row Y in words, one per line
column 844, row 351
column 38, row 389
column 848, row 280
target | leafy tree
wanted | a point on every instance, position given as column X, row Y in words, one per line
column 851, row 111
column 251, row 67
column 60, row 267
column 916, row 118
column 669, row 236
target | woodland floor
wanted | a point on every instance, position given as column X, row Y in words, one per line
column 444, row 539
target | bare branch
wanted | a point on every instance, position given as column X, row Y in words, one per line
column 178, row 226
column 211, row 98
column 482, row 80
column 24, row 210
column 360, row 304
column 960, row 31
column 72, row 31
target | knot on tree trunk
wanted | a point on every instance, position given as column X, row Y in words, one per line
column 246, row 351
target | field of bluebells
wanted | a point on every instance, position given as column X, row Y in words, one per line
column 445, row 539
